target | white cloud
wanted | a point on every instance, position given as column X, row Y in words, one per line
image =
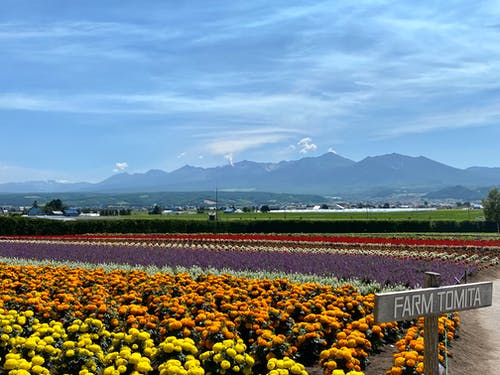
column 181, row 155
column 229, row 158
column 120, row 166
column 330, row 149
column 306, row 145
column 224, row 143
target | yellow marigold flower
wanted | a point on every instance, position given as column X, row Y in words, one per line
column 125, row 352
column 231, row 352
column 30, row 343
column 111, row 356
column 17, row 327
column 133, row 331
column 49, row 340
column 196, row 370
column 240, row 348
column 338, row 372
column 68, row 344
column 70, row 353
column 134, row 358
column 225, row 364
column 249, row 360
column 143, row 336
column 122, row 369
column 228, row 343
column 129, row 338
column 84, row 327
column 94, row 348
column 189, row 347
column 37, row 369
column 37, row 360
column 21, row 320
column 144, row 366
column 218, row 347
column 10, row 364
column 168, row 347
column 271, row 365
column 121, row 362
column 204, row 356
column 73, row 328
column 23, row 364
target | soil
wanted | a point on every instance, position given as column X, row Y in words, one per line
column 476, row 349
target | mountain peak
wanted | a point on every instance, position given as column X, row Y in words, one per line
column 329, row 174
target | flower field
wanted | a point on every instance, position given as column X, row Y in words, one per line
column 216, row 304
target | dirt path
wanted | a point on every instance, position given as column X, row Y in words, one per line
column 476, row 350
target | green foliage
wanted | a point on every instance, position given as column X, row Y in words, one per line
column 156, row 210
column 30, row 226
column 491, row 207
column 265, row 209
column 54, row 205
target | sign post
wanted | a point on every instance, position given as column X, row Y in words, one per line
column 431, row 332
column 430, row 302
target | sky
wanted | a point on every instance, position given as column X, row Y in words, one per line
column 93, row 88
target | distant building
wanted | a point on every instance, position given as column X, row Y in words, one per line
column 71, row 212
column 35, row 211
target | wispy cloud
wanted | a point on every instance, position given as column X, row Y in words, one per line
column 456, row 119
column 232, row 143
column 120, row 166
column 306, row 145
column 17, row 173
column 85, row 29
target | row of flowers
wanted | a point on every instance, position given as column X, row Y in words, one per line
column 387, row 265
column 479, row 256
column 301, row 239
column 88, row 347
column 78, row 320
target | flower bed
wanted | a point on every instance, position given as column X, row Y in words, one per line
column 378, row 259
column 59, row 319
column 134, row 311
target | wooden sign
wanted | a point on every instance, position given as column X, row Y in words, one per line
column 410, row 304
column 430, row 302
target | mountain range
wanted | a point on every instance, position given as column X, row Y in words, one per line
column 329, row 174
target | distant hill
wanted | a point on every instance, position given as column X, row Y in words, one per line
column 328, row 174
column 459, row 193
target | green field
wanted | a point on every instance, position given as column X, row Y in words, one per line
column 441, row 214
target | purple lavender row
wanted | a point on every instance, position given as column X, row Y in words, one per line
column 385, row 270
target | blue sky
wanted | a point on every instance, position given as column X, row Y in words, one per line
column 91, row 88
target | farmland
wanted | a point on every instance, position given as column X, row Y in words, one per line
column 431, row 215
column 219, row 304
